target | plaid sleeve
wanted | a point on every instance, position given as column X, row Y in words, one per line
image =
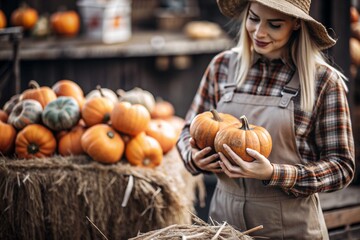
column 334, row 145
column 284, row 176
column 204, row 100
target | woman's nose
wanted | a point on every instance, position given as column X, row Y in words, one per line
column 260, row 31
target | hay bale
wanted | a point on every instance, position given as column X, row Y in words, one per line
column 65, row 197
column 197, row 231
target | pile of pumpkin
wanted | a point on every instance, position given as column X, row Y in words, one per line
column 44, row 121
column 60, row 23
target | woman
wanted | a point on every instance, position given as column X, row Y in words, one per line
column 278, row 77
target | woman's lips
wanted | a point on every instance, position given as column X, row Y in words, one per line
column 261, row 44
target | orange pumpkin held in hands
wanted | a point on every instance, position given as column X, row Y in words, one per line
column 241, row 136
column 204, row 126
column 144, row 151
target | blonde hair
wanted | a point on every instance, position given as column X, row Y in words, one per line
column 306, row 56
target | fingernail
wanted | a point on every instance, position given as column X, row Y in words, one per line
column 249, row 150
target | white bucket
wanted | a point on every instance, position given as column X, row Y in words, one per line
column 108, row 21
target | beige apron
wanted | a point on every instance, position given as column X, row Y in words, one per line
column 247, row 203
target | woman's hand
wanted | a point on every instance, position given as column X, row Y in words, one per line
column 260, row 168
column 203, row 160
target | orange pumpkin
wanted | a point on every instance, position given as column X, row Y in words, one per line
column 163, row 132
column 130, row 118
column 65, row 23
column 2, row 19
column 70, row 142
column 3, row 116
column 97, row 110
column 177, row 122
column 35, row 141
column 354, row 14
column 69, row 88
column 43, row 95
column 103, row 144
column 25, row 17
column 144, row 151
column 163, row 109
column 204, row 126
column 242, row 136
column 7, row 137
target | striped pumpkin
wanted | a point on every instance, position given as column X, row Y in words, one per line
column 24, row 113
column 61, row 114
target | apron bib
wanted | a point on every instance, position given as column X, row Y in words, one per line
column 247, row 203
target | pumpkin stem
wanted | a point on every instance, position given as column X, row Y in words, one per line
column 32, row 148
column 245, row 123
column 110, row 134
column 146, row 162
column 34, row 84
column 98, row 87
column 106, row 118
column 216, row 115
column 121, row 93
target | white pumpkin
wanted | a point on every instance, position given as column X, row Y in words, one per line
column 138, row 96
column 107, row 93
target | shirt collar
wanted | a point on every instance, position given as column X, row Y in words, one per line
column 286, row 60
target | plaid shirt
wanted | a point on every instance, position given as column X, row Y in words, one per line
column 324, row 136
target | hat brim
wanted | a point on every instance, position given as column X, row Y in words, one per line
column 318, row 32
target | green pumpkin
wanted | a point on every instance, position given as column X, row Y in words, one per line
column 24, row 113
column 61, row 114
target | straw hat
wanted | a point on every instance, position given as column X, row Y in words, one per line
column 297, row 8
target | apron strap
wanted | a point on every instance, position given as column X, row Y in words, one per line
column 231, row 66
column 290, row 90
column 230, row 85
